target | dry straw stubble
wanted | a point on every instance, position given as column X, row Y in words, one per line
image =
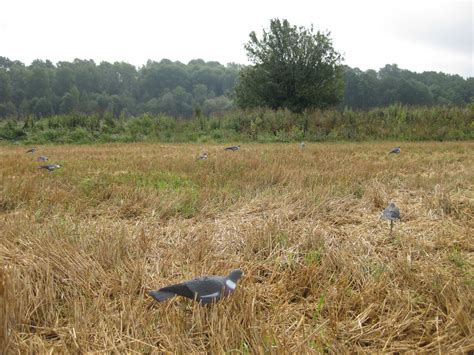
column 81, row 247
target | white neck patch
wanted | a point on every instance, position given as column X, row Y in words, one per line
column 231, row 284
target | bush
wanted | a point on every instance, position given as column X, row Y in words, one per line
column 394, row 122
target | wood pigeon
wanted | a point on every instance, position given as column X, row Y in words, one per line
column 395, row 150
column 50, row 167
column 391, row 213
column 233, row 148
column 42, row 158
column 203, row 289
column 302, row 145
column 202, row 156
column 31, row 150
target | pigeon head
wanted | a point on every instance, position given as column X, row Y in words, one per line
column 235, row 275
column 231, row 281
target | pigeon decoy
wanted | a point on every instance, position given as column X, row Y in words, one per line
column 204, row 289
column 31, row 150
column 302, row 145
column 391, row 213
column 202, row 156
column 42, row 158
column 395, row 150
column 233, row 148
column 50, row 167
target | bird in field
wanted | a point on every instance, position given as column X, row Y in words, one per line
column 50, row 167
column 395, row 150
column 203, row 289
column 233, row 148
column 202, row 156
column 42, row 158
column 31, row 150
column 392, row 214
column 302, row 145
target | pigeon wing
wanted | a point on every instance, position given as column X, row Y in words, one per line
column 161, row 296
column 391, row 213
column 180, row 289
column 395, row 213
column 207, row 288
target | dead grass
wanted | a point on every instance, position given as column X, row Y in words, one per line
column 81, row 247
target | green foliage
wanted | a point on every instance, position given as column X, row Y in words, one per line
column 119, row 89
column 7, row 110
column 12, row 131
column 319, row 307
column 294, row 68
column 5, row 87
column 313, row 257
column 173, row 88
column 391, row 85
column 456, row 258
column 391, row 123
column 42, row 107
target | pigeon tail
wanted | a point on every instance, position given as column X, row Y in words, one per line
column 161, row 296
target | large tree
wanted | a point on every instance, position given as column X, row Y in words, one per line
column 294, row 68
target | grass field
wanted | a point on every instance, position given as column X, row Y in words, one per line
column 81, row 247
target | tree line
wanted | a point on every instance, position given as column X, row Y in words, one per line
column 389, row 85
column 43, row 89
column 182, row 90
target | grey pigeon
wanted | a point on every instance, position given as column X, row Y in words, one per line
column 391, row 213
column 31, row 150
column 42, row 158
column 302, row 145
column 50, row 167
column 233, row 148
column 202, row 156
column 395, row 150
column 204, row 289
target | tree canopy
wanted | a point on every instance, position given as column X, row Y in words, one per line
column 294, row 68
column 173, row 88
column 183, row 90
column 391, row 84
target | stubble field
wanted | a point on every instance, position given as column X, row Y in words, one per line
column 81, row 247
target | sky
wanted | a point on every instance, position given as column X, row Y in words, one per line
column 434, row 35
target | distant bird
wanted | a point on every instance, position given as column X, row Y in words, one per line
column 32, row 150
column 391, row 213
column 202, row 156
column 233, row 148
column 395, row 150
column 204, row 289
column 302, row 145
column 50, row 167
column 42, row 158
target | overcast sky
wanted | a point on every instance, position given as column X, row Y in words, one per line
column 416, row 35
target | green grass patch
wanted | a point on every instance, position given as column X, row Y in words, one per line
column 456, row 258
column 313, row 257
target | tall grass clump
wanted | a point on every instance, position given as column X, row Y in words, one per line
column 390, row 123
